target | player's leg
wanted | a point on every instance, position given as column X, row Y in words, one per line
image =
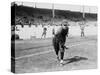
column 42, row 35
column 81, row 33
column 56, row 47
column 57, row 51
column 61, row 53
column 45, row 35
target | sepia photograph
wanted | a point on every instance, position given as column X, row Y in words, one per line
column 48, row 37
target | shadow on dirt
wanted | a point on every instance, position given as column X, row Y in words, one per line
column 74, row 59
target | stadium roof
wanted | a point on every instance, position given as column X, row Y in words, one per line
column 80, row 8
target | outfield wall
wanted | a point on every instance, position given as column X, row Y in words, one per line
column 36, row 32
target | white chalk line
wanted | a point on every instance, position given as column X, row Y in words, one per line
column 44, row 52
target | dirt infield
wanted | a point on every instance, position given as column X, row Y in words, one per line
column 37, row 55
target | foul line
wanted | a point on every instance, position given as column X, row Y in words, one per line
column 45, row 51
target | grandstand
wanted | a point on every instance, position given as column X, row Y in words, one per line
column 28, row 15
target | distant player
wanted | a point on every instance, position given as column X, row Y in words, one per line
column 44, row 32
column 82, row 27
column 82, row 30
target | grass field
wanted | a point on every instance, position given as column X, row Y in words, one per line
column 37, row 55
